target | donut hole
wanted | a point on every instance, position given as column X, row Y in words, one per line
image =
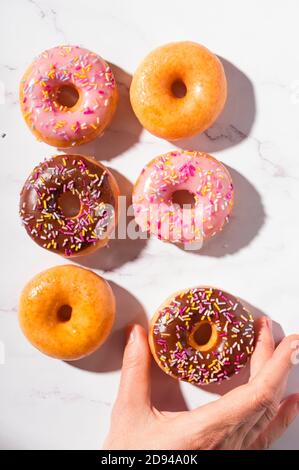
column 69, row 204
column 182, row 197
column 179, row 89
column 204, row 336
column 64, row 313
column 67, row 95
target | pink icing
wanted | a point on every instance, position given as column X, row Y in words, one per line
column 200, row 174
column 67, row 65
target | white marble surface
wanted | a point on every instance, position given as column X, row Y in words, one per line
column 45, row 403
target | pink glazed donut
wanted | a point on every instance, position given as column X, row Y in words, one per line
column 208, row 181
column 68, row 96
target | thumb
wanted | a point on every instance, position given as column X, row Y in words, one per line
column 134, row 386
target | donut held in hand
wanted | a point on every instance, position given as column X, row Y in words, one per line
column 67, row 312
column 178, row 90
column 202, row 335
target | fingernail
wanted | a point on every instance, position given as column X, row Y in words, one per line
column 269, row 322
column 130, row 334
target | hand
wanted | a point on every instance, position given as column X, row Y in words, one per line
column 251, row 416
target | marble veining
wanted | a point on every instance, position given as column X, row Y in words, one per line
column 50, row 14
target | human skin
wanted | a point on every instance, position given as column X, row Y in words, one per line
column 251, row 416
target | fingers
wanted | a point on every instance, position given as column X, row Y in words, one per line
column 247, row 403
column 264, row 346
column 233, row 409
column 288, row 411
column 134, row 386
column 269, row 384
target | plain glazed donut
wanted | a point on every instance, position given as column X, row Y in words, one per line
column 69, row 205
column 67, row 312
column 68, row 96
column 174, row 114
column 202, row 335
column 196, row 172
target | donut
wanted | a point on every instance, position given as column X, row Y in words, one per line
column 202, row 335
column 201, row 176
column 68, row 96
column 178, row 90
column 67, row 312
column 69, row 205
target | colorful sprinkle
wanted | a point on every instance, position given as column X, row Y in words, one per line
column 43, row 216
column 196, row 172
column 77, row 68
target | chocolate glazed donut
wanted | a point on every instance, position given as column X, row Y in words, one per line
column 202, row 335
column 69, row 204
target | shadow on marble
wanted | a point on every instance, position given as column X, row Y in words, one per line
column 124, row 130
column 247, row 219
column 236, row 120
column 109, row 356
column 166, row 391
column 118, row 251
column 243, row 376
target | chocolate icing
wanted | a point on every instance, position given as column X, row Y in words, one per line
column 43, row 217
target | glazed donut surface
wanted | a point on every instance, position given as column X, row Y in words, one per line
column 67, row 312
column 153, row 95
